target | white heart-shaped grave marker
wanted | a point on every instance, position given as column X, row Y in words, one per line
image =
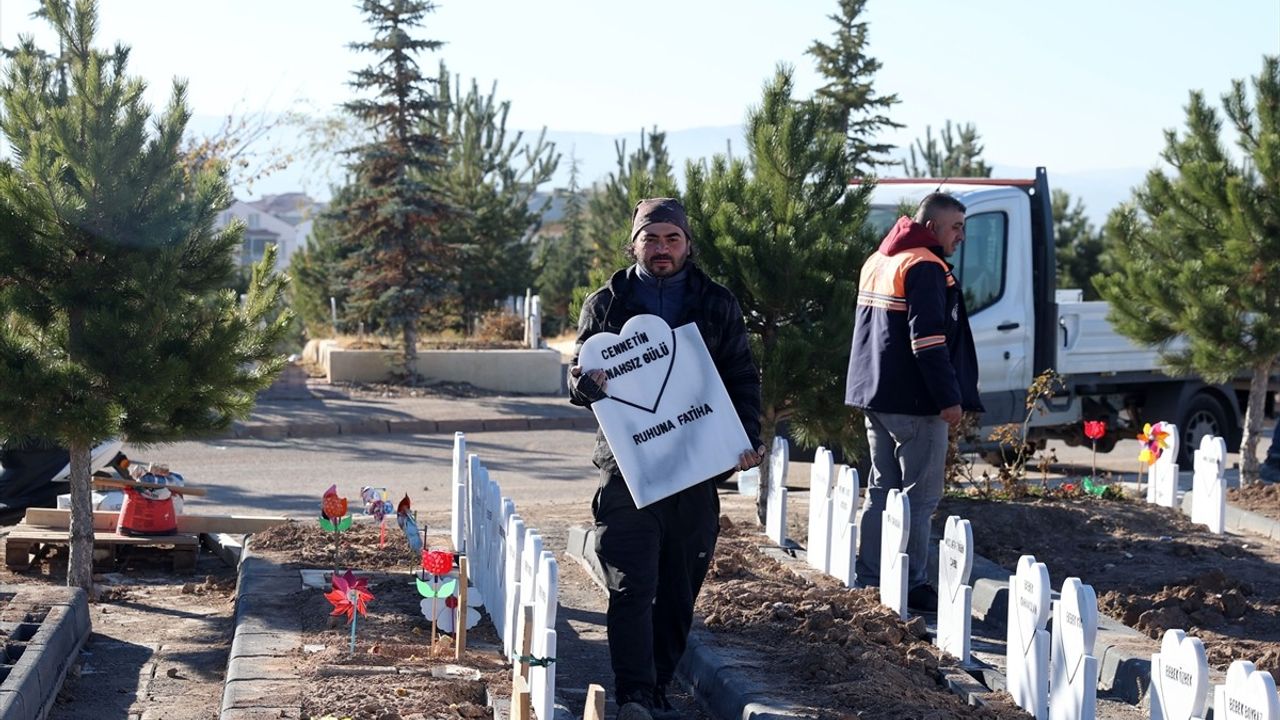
column 637, row 361
column 1184, row 676
column 1031, row 595
column 1170, row 454
column 956, row 561
column 1250, row 694
column 1079, row 614
column 1213, row 450
column 897, row 513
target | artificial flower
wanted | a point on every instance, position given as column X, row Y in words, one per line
column 349, row 595
column 1154, row 439
column 437, row 562
column 1095, row 429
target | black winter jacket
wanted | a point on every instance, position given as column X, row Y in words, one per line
column 718, row 316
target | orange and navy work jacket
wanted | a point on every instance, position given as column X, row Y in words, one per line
column 912, row 351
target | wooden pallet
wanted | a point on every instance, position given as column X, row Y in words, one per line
column 26, row 540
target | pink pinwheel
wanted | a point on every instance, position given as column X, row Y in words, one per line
column 349, row 595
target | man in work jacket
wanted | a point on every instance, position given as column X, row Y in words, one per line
column 913, row 371
column 656, row 557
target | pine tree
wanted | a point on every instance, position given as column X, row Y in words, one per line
column 1198, row 256
column 318, row 272
column 114, row 314
column 1077, row 245
column 959, row 156
column 784, row 232
column 563, row 260
column 395, row 216
column 860, row 113
column 492, row 179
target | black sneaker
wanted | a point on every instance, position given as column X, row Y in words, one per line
column 662, row 709
column 923, row 598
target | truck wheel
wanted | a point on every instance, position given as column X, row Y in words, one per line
column 1204, row 416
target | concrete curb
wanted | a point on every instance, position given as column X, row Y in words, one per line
column 259, row 681
column 385, row 426
column 32, row 685
column 1239, row 520
column 724, row 691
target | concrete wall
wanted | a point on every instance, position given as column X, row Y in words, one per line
column 533, row 372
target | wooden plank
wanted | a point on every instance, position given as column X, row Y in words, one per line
column 24, row 533
column 595, row 703
column 521, row 700
column 194, row 524
column 17, row 554
column 109, row 482
column 460, row 635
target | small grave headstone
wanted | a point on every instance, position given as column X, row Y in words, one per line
column 1027, row 649
column 1179, row 678
column 817, row 548
column 1163, row 486
column 1208, row 489
column 1073, row 682
column 542, row 677
column 514, row 557
column 457, row 527
column 1248, row 694
column 955, row 595
column 776, row 517
column 844, row 526
column 895, row 531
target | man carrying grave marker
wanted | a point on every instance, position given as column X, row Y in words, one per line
column 913, row 371
column 655, row 557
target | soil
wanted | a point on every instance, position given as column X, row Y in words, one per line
column 1150, row 567
column 1261, row 498
column 394, row 633
column 845, row 654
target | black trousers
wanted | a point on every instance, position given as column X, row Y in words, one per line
column 654, row 559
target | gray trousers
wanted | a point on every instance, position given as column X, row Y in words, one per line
column 908, row 453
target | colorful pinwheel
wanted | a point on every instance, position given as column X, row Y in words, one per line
column 407, row 523
column 377, row 505
column 445, row 614
column 1154, row 439
column 349, row 597
column 333, row 511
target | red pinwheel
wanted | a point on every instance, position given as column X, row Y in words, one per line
column 437, row 562
column 349, row 595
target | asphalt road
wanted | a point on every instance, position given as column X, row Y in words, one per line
column 287, row 477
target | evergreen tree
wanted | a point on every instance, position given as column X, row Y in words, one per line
column 860, row 113
column 114, row 317
column 318, row 272
column 785, row 233
column 1198, row 256
column 394, row 217
column 563, row 260
column 1077, row 245
column 959, row 156
column 491, row 179
column 645, row 173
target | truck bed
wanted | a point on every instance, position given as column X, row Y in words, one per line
column 1088, row 344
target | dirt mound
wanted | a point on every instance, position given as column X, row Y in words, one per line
column 1262, row 498
column 843, row 652
column 307, row 544
column 1150, row 566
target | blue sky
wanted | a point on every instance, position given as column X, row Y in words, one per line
column 1083, row 88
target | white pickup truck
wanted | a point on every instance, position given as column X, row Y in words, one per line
column 1023, row 324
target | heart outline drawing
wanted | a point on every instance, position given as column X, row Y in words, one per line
column 955, row 562
column 1078, row 598
column 1185, row 654
column 1032, row 583
column 643, row 324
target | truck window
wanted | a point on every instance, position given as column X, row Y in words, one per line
column 980, row 268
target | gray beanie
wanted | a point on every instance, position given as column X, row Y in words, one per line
column 659, row 210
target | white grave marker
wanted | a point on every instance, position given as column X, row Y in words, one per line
column 1163, row 474
column 1208, row 490
column 535, row 322
column 1073, row 683
column 1027, row 649
column 817, row 551
column 667, row 417
column 1249, row 694
column 844, row 526
column 542, row 678
column 1179, row 678
column 530, row 557
column 955, row 595
column 457, row 529
column 776, row 517
column 895, row 531
column 514, row 556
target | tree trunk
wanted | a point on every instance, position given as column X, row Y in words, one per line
column 411, row 351
column 80, row 563
column 768, row 429
column 1253, row 423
